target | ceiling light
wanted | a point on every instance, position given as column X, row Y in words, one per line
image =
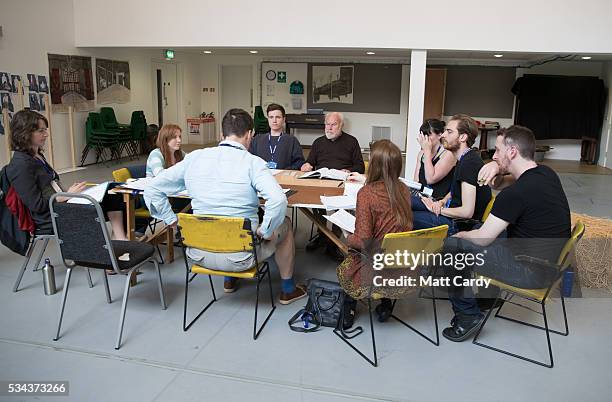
column 498, row 55
column 253, row 51
column 586, row 57
column 207, row 51
column 370, row 53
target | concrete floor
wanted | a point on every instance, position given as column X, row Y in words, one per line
column 217, row 360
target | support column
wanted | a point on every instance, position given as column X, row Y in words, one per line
column 416, row 104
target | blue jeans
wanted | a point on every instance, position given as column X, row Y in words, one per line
column 426, row 219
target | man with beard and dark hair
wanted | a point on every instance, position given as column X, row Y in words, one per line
column 466, row 200
column 531, row 207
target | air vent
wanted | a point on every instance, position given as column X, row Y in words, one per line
column 381, row 133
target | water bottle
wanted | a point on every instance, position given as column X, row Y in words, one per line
column 48, row 278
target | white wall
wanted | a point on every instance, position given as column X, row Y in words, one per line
column 521, row 25
column 24, row 50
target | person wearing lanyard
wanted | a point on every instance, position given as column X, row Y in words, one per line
column 226, row 181
column 35, row 180
column 278, row 149
column 466, row 199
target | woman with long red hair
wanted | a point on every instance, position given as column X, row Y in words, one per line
column 168, row 152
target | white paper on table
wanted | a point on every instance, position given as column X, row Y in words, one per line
column 275, row 171
column 343, row 220
column 96, row 192
column 325, row 173
column 138, row 184
column 339, row 202
column 351, row 189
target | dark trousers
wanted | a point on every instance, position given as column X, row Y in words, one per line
column 499, row 264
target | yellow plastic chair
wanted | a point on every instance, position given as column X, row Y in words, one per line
column 122, row 175
column 488, row 209
column 539, row 296
column 430, row 240
column 220, row 234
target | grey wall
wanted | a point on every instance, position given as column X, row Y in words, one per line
column 376, row 89
column 479, row 91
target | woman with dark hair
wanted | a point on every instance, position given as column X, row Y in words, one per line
column 435, row 165
column 168, row 152
column 35, row 180
column 383, row 206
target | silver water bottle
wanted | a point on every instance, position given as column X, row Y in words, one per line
column 48, row 278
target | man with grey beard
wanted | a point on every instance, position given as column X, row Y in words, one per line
column 336, row 149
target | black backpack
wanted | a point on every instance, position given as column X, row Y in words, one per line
column 10, row 234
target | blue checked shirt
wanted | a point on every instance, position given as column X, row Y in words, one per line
column 223, row 181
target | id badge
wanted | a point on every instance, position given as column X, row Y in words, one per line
column 271, row 165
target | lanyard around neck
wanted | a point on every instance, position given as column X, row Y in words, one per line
column 273, row 150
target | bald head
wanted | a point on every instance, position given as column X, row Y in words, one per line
column 334, row 122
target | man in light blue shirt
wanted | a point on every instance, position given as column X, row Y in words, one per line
column 225, row 181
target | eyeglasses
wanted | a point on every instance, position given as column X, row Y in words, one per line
column 334, row 124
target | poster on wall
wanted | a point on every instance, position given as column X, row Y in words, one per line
column 113, row 81
column 332, row 84
column 16, row 83
column 71, row 81
column 7, row 101
column 5, row 82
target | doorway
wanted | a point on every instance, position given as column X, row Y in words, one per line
column 165, row 98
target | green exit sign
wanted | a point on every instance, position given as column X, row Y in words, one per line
column 169, row 54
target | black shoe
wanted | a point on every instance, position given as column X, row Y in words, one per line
column 487, row 303
column 334, row 252
column 462, row 328
column 316, row 242
column 384, row 310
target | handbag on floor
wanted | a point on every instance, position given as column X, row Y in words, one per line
column 328, row 306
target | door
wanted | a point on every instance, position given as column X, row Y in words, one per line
column 435, row 89
column 165, row 101
column 236, row 89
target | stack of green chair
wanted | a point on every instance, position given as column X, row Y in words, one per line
column 260, row 121
column 138, row 131
column 124, row 138
column 104, row 142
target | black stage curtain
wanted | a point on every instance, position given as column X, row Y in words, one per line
column 560, row 107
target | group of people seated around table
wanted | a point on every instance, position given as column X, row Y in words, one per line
column 229, row 179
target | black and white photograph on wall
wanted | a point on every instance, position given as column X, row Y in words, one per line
column 15, row 81
column 41, row 102
column 113, row 81
column 332, row 84
column 34, row 101
column 5, row 83
column 33, row 83
column 42, row 84
column 7, row 102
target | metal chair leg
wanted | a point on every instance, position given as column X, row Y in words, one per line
column 160, row 285
column 106, row 287
column 266, row 271
column 546, row 329
column 185, row 325
column 345, row 339
column 63, row 303
column 126, row 293
column 435, row 313
column 25, row 264
column 89, row 281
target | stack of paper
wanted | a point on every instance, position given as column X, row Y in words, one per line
column 428, row 191
column 96, row 192
column 351, row 189
column 343, row 220
column 339, row 202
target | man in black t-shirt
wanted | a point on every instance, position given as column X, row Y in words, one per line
column 466, row 199
column 531, row 207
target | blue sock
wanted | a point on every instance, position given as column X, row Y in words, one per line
column 227, row 278
column 287, row 285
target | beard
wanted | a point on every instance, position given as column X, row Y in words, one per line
column 331, row 136
column 449, row 146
